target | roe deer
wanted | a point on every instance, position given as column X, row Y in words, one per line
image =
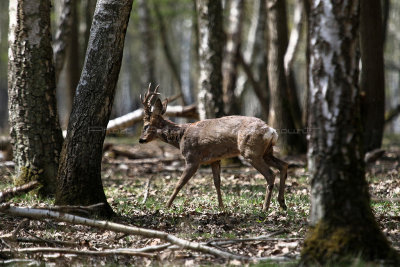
column 209, row 141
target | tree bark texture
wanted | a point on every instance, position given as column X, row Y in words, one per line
column 289, row 58
column 372, row 74
column 280, row 117
column 34, row 126
column 90, row 6
column 72, row 67
column 211, row 44
column 341, row 217
column 79, row 176
column 3, row 65
column 255, row 55
column 147, row 55
column 231, row 59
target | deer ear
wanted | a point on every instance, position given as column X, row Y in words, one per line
column 164, row 104
column 158, row 107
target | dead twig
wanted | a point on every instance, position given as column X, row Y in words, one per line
column 182, row 243
column 107, row 252
column 21, row 225
column 18, row 190
column 45, row 241
column 146, row 193
column 80, row 209
column 221, row 242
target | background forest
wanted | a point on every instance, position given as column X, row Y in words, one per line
column 324, row 74
column 167, row 30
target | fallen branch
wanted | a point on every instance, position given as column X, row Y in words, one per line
column 221, row 242
column 145, row 161
column 24, row 262
column 18, row 190
column 182, row 243
column 37, row 240
column 136, row 116
column 81, row 209
column 107, row 252
column 146, row 193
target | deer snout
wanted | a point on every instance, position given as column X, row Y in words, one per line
column 142, row 141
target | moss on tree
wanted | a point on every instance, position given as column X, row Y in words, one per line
column 328, row 242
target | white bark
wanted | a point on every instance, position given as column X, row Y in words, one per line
column 295, row 36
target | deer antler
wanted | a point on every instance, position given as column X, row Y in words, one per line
column 148, row 98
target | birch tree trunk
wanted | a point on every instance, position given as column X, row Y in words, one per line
column 280, row 117
column 342, row 222
column 231, row 60
column 256, row 55
column 79, row 175
column 147, row 56
column 372, row 74
column 34, row 126
column 211, row 42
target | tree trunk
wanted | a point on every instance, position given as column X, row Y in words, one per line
column 306, row 108
column 231, row 58
column 280, row 116
column 79, row 176
column 62, row 35
column 147, row 56
column 72, row 68
column 167, row 50
column 292, row 48
column 3, row 65
column 385, row 19
column 211, row 44
column 35, row 130
column 372, row 74
column 256, row 55
column 90, row 6
column 342, row 222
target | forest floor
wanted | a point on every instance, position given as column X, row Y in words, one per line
column 138, row 180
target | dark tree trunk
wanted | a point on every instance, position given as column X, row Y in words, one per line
column 3, row 66
column 90, row 6
column 307, row 93
column 211, row 37
column 231, row 59
column 385, row 19
column 342, row 222
column 147, row 55
column 280, row 116
column 291, row 51
column 372, row 74
column 35, row 130
column 72, row 68
column 79, row 176
column 255, row 55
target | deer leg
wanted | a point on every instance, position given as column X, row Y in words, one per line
column 282, row 167
column 264, row 169
column 190, row 170
column 216, row 170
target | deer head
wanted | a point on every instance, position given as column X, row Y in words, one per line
column 152, row 114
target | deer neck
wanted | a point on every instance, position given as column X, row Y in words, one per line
column 171, row 133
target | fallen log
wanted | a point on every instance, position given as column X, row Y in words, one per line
column 18, row 190
column 40, row 214
column 136, row 116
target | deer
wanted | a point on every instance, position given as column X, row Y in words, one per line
column 211, row 140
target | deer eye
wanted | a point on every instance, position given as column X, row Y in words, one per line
column 146, row 127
